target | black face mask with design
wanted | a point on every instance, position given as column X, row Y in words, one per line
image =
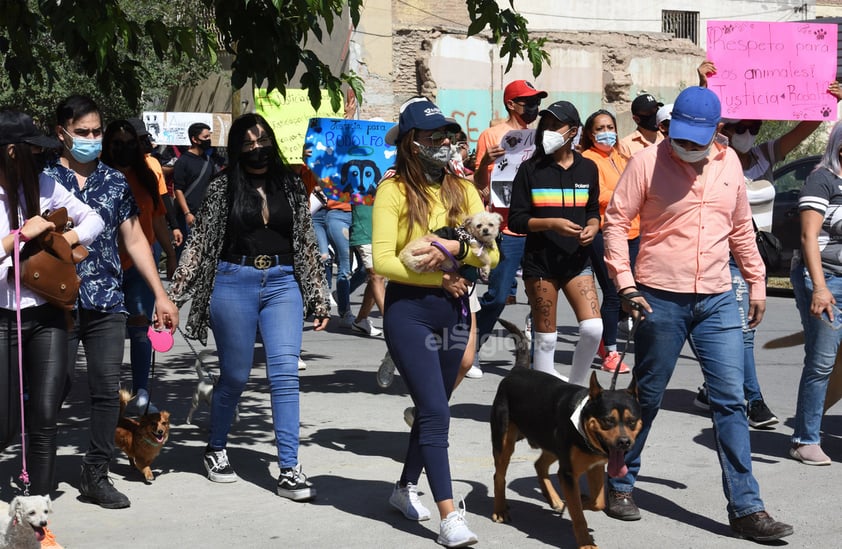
column 256, row 159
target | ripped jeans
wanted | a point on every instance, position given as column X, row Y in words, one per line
column 751, row 386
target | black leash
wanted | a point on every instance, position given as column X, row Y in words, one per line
column 628, row 299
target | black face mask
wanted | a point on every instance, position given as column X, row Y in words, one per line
column 124, row 155
column 256, row 159
column 648, row 122
column 529, row 114
column 204, row 144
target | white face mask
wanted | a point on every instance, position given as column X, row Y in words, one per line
column 691, row 157
column 553, row 141
column 743, row 142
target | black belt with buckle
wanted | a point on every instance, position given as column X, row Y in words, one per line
column 261, row 262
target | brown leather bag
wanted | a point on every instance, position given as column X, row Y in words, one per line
column 48, row 264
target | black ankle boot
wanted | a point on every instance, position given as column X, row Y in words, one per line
column 96, row 487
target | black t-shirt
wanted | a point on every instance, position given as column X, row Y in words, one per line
column 187, row 170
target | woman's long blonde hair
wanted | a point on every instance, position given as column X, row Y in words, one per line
column 411, row 175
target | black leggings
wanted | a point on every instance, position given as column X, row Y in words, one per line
column 426, row 334
column 44, row 332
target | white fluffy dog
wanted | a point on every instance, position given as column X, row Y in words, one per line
column 204, row 388
column 27, row 519
column 479, row 231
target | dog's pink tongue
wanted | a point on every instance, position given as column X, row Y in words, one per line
column 617, row 463
column 39, row 534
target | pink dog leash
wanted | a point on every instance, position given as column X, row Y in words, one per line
column 24, row 475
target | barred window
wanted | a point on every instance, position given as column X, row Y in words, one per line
column 682, row 24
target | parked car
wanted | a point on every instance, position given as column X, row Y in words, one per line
column 786, row 225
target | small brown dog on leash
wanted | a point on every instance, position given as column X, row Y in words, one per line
column 141, row 439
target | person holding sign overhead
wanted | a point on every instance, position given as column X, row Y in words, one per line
column 757, row 161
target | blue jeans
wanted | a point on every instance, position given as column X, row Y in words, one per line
column 104, row 337
column 338, row 231
column 246, row 299
column 751, row 387
column 610, row 309
column 712, row 322
column 320, row 228
column 493, row 301
column 821, row 343
column 140, row 301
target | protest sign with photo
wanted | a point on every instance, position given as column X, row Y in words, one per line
column 170, row 128
column 519, row 146
column 349, row 157
column 773, row 71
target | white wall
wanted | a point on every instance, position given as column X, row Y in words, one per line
column 645, row 15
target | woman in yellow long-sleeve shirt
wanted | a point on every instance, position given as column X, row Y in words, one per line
column 426, row 321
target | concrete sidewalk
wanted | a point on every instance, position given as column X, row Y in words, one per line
column 353, row 438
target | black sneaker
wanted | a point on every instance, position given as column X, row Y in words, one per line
column 293, row 484
column 218, row 467
column 759, row 415
column 701, row 400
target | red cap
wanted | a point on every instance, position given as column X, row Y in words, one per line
column 521, row 88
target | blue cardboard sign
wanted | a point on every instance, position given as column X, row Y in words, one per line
column 349, row 157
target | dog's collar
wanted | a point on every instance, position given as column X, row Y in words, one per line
column 576, row 418
column 150, row 442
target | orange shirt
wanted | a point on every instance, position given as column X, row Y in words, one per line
column 610, row 166
column 147, row 210
column 635, row 142
column 688, row 224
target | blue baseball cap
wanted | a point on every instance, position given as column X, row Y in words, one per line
column 422, row 114
column 695, row 115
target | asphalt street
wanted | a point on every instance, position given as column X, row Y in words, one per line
column 353, row 438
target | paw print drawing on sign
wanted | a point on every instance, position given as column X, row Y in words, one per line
column 502, row 164
column 825, row 111
column 727, row 29
column 820, row 34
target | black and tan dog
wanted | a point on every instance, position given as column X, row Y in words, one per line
column 141, row 439
column 582, row 428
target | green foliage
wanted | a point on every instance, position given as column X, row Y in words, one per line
column 508, row 28
column 814, row 144
column 127, row 52
column 49, row 54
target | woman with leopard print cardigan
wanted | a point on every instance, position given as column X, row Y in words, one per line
column 252, row 262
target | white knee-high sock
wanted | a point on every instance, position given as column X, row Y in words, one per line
column 543, row 353
column 590, row 333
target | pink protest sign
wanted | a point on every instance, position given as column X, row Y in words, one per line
column 773, row 71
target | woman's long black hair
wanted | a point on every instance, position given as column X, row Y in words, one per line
column 20, row 172
column 145, row 175
column 246, row 202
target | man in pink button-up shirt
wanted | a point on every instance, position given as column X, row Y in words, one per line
column 691, row 198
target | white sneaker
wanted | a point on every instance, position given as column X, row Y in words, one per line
column 347, row 319
column 454, row 531
column 364, row 326
column 475, row 372
column 405, row 499
column 302, row 365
